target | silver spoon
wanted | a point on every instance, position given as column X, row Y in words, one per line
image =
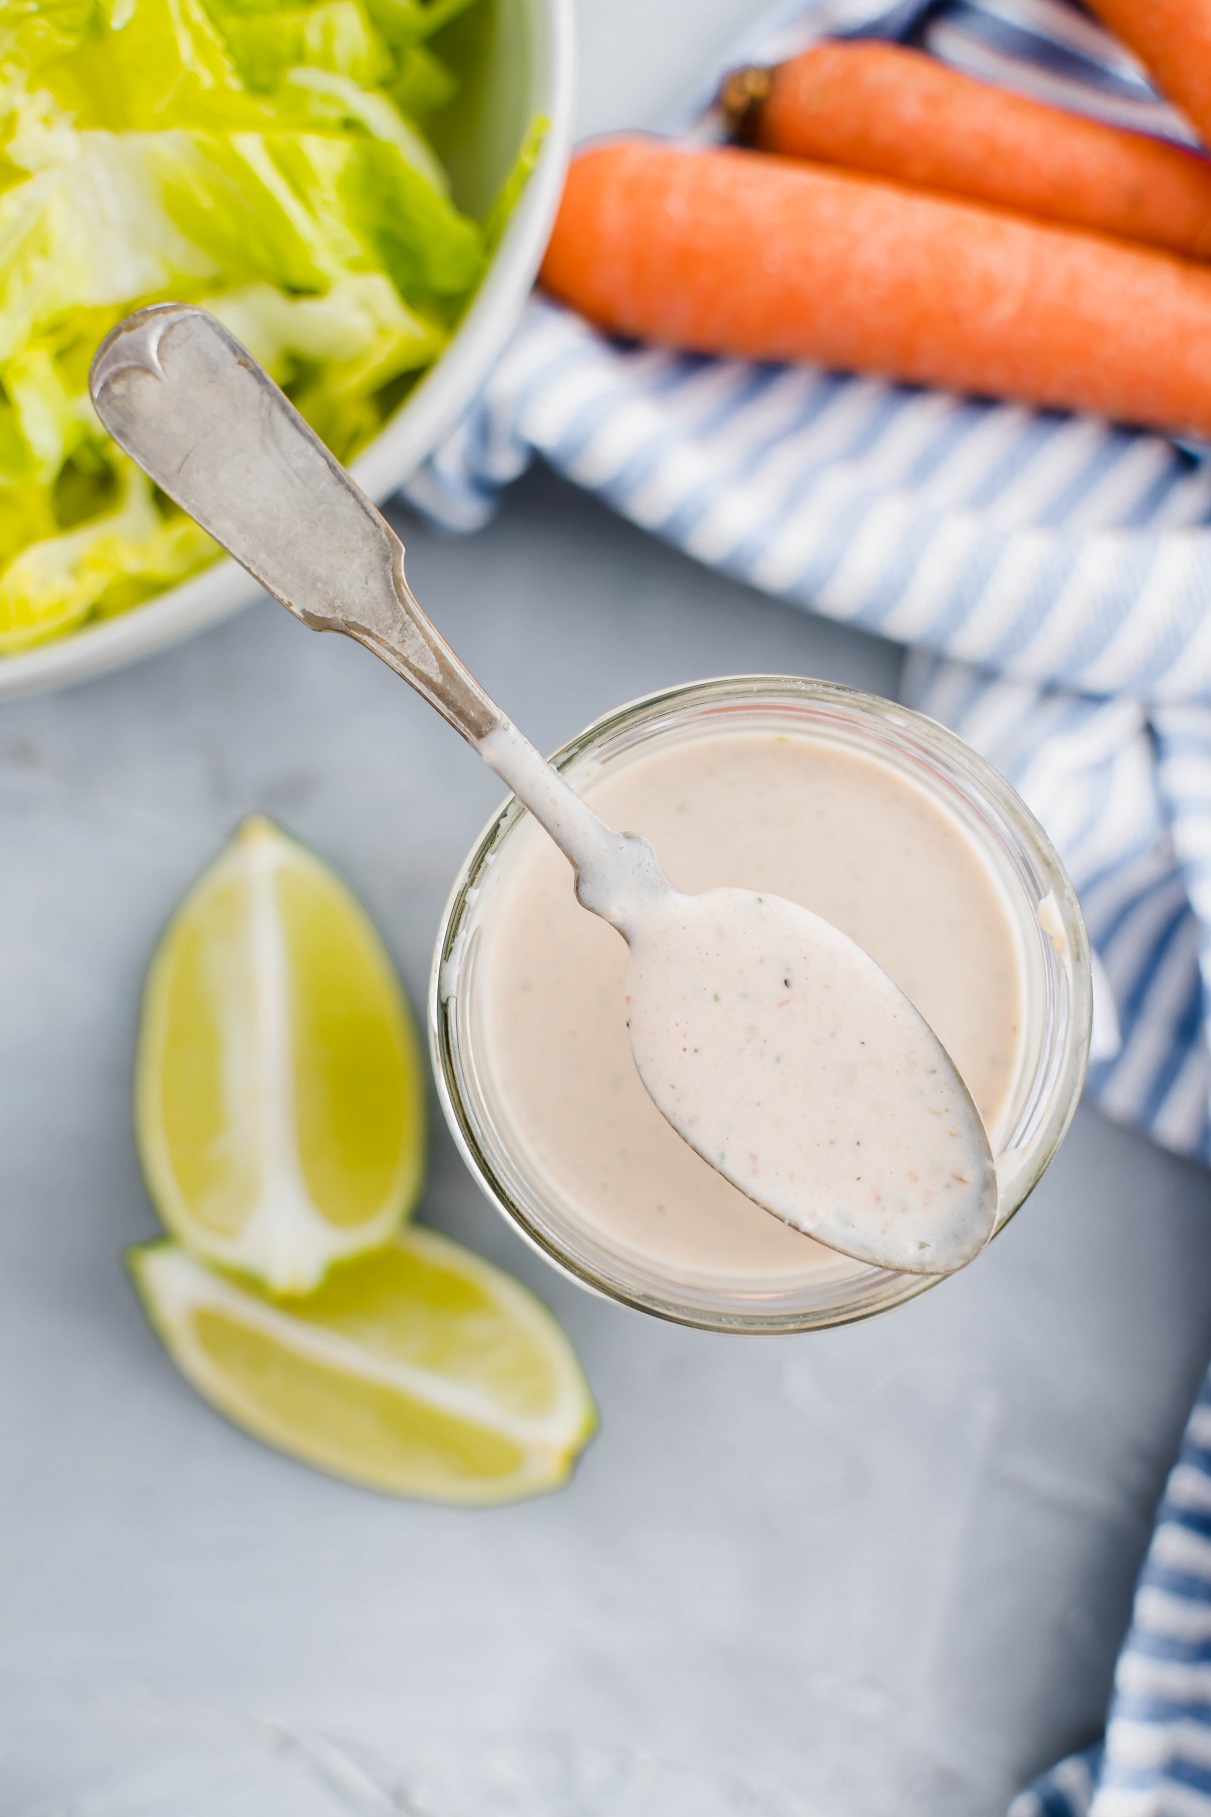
column 770, row 1041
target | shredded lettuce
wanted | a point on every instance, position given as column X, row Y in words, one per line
column 264, row 157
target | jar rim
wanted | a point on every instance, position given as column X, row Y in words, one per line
column 1059, row 1076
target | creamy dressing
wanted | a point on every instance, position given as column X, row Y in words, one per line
column 815, row 821
column 779, row 1050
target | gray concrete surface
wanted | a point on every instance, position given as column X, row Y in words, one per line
column 882, row 1571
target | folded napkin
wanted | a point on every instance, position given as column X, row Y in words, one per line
column 1052, row 574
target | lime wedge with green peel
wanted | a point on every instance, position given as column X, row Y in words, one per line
column 279, row 1095
column 422, row 1370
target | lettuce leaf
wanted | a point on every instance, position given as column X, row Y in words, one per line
column 107, row 564
column 265, row 157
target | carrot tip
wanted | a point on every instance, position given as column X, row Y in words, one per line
column 742, row 96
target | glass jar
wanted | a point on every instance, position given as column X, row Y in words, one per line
column 1055, row 968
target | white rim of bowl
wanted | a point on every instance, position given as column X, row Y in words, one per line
column 399, row 448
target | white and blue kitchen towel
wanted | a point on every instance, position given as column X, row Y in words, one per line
column 1052, row 574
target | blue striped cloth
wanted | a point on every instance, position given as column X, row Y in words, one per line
column 1052, row 575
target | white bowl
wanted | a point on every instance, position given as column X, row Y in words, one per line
column 520, row 67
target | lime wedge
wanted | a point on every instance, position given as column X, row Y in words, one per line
column 279, row 1096
column 421, row 1370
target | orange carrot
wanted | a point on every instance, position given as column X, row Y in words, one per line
column 1172, row 39
column 898, row 113
column 739, row 253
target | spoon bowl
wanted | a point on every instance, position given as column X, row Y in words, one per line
column 788, row 1059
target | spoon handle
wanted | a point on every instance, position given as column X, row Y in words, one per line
column 177, row 391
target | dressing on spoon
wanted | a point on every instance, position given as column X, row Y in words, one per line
column 774, row 1046
column 779, row 1050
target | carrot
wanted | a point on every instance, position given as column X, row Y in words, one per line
column 738, row 253
column 1172, row 39
column 898, row 113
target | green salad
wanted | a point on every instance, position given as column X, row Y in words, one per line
column 264, row 157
